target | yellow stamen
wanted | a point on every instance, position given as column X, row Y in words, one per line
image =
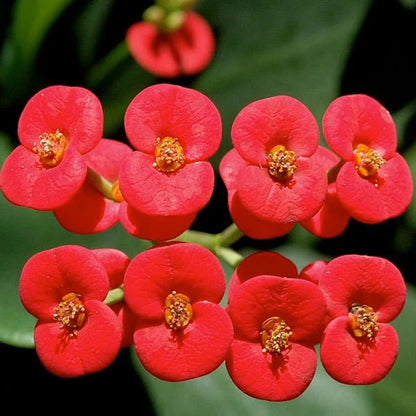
column 169, row 155
column 70, row 313
column 50, row 148
column 275, row 334
column 178, row 311
column 367, row 160
column 281, row 163
column 363, row 321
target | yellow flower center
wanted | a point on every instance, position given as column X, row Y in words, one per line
column 275, row 334
column 70, row 313
column 363, row 321
column 178, row 311
column 367, row 160
column 169, row 155
column 50, row 148
column 281, row 163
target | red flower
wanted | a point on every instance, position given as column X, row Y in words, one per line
column 280, row 181
column 75, row 333
column 375, row 182
column 115, row 263
column 186, row 50
column 154, row 227
column 259, row 263
column 92, row 210
column 276, row 323
column 175, row 130
column 363, row 295
column 249, row 224
column 332, row 218
column 175, row 289
column 56, row 127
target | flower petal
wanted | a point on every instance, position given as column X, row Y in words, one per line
column 358, row 118
column 275, row 379
column 197, row 351
column 186, row 268
column 166, row 110
column 353, row 360
column 93, row 349
column 155, row 193
column 367, row 280
column 51, row 274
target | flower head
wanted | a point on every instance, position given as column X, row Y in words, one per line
column 276, row 323
column 363, row 294
column 76, row 333
column 175, row 130
column 57, row 126
column 174, row 289
column 375, row 182
column 280, row 181
column 168, row 52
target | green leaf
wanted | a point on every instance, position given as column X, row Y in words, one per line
column 31, row 21
column 274, row 47
column 216, row 393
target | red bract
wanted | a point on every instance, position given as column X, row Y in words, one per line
column 363, row 294
column 250, row 225
column 175, row 130
column 280, row 181
column 184, row 51
column 375, row 182
column 332, row 218
column 115, row 263
column 276, row 323
column 75, row 333
column 175, row 289
column 56, row 127
column 259, row 263
column 92, row 210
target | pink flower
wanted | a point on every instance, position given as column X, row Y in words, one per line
column 76, row 333
column 57, row 126
column 277, row 322
column 186, row 50
column 174, row 289
column 363, row 295
column 175, row 130
column 375, row 182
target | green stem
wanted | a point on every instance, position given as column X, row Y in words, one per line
column 101, row 184
column 198, row 237
column 114, row 296
column 108, row 64
column 229, row 236
column 229, row 255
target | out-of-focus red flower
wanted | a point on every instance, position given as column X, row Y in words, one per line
column 363, row 294
column 185, row 50
column 175, row 290
column 175, row 130
column 259, row 263
column 332, row 218
column 276, row 323
column 56, row 127
column 375, row 182
column 280, row 181
column 65, row 288
column 92, row 210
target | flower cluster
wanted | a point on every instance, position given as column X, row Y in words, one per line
column 166, row 303
column 278, row 175
column 155, row 187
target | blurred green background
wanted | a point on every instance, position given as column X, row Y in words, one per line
column 312, row 50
